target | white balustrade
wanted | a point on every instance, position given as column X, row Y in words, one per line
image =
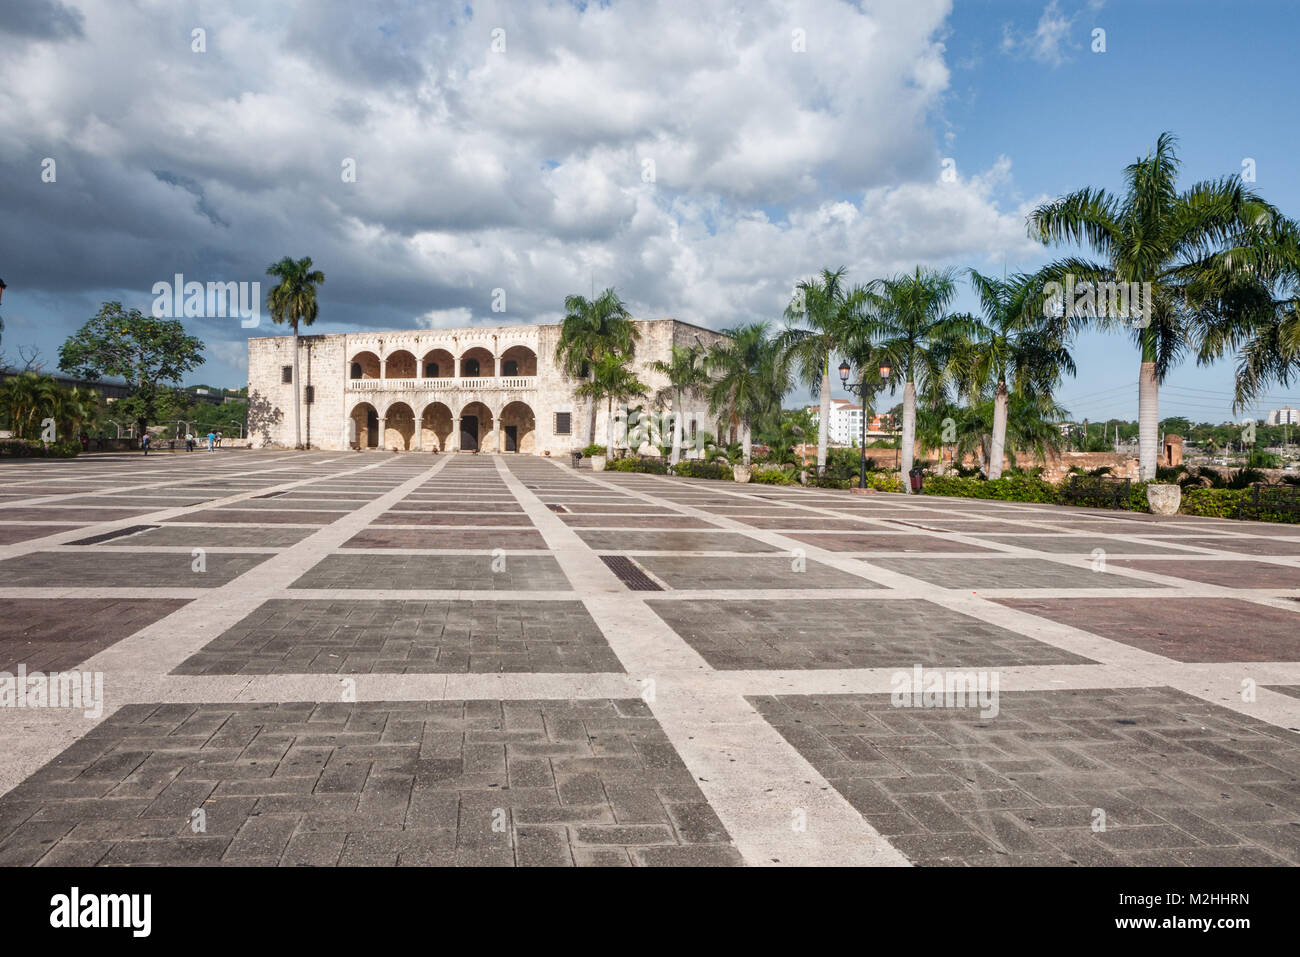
column 480, row 383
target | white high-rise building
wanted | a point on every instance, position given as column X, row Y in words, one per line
column 1284, row 416
column 846, row 422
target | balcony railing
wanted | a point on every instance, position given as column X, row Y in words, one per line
column 447, row 383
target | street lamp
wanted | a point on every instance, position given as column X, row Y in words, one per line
column 860, row 389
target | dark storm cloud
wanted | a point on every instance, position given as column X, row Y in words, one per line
column 41, row 20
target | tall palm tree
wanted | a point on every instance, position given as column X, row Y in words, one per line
column 1264, row 333
column 1190, row 246
column 917, row 335
column 293, row 301
column 590, row 330
column 611, row 379
column 830, row 313
column 686, row 377
column 750, row 376
column 26, row 399
column 1014, row 347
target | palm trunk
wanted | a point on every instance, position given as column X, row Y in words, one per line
column 676, row 455
column 1148, row 420
column 909, row 434
column 999, row 442
column 297, row 405
column 823, row 432
column 609, row 427
column 746, row 442
column 591, row 414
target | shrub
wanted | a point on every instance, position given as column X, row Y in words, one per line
column 772, row 477
column 1010, row 488
column 593, row 449
column 31, row 448
column 693, row 468
column 1212, row 502
column 629, row 464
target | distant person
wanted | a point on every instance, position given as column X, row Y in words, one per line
column 144, row 443
column 212, row 441
column 218, row 440
column 85, row 441
column 99, row 442
column 189, row 441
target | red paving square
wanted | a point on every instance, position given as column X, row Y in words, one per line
column 1184, row 629
column 1231, row 574
column 57, row 634
column 885, row 542
column 12, row 534
column 459, row 538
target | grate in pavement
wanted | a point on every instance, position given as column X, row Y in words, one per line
column 120, row 533
column 271, row 494
column 629, row 573
column 556, row 508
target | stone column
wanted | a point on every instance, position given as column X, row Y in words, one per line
column 453, row 440
column 417, row 438
column 501, row 432
column 383, row 430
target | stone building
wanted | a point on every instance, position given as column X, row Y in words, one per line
column 491, row 389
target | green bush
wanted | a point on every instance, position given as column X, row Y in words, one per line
column 772, row 477
column 884, row 481
column 629, row 464
column 33, row 449
column 1212, row 502
column 593, row 449
column 1011, row 488
column 693, row 468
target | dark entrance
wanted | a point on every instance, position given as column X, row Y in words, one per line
column 372, row 429
column 512, row 438
column 469, row 433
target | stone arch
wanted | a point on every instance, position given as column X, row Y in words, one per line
column 477, row 428
column 399, row 426
column 436, row 423
column 364, row 365
column 400, row 365
column 477, row 362
column 518, row 361
column 438, row 364
column 518, row 428
column 363, row 433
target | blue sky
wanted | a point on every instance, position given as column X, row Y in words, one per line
column 523, row 168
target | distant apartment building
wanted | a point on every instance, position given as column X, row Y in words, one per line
column 1284, row 416
column 846, row 423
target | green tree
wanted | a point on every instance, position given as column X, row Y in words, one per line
column 609, row 378
column 831, row 314
column 750, row 377
column 293, row 301
column 686, row 377
column 917, row 335
column 1193, row 247
column 1015, row 347
column 590, row 330
column 149, row 353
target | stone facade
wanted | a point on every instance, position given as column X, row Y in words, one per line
column 490, row 389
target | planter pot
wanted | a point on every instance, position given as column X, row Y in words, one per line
column 598, row 463
column 1164, row 499
column 741, row 473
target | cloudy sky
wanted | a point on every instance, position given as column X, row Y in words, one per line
column 698, row 157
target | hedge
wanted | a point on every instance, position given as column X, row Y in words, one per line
column 771, row 476
column 693, row 468
column 629, row 464
column 33, row 449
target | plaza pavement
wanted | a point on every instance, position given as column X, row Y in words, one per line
column 372, row 658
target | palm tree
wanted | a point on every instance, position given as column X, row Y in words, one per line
column 1032, row 422
column 831, row 313
column 1192, row 247
column 686, row 377
column 917, row 336
column 610, row 379
column 750, row 376
column 293, row 301
column 1266, row 339
column 26, row 399
column 591, row 329
column 1013, row 344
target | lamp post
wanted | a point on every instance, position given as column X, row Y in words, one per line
column 860, row 389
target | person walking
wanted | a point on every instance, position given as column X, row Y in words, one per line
column 144, row 443
column 212, row 442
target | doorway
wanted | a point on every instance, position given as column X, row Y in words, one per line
column 469, row 433
column 512, row 438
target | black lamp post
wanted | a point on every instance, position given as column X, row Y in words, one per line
column 860, row 389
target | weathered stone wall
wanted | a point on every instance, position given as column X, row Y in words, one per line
column 414, row 414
